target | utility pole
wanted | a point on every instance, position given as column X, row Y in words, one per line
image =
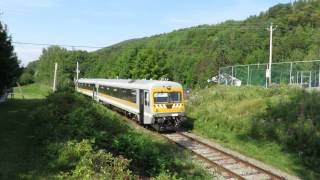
column 55, row 77
column 268, row 72
column 77, row 71
column 292, row 2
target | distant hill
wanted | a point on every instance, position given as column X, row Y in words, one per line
column 192, row 55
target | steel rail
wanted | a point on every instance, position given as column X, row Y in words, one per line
column 221, row 168
column 230, row 156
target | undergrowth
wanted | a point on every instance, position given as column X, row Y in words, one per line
column 84, row 140
column 280, row 126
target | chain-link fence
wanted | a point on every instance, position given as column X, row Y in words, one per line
column 301, row 73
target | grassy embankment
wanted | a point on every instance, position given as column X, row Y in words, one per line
column 67, row 136
column 279, row 126
column 18, row 151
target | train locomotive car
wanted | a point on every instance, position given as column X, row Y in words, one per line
column 159, row 104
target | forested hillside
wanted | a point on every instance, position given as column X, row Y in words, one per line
column 193, row 55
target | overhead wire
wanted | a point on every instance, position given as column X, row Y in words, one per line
column 62, row 45
column 247, row 26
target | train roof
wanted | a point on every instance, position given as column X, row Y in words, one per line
column 131, row 84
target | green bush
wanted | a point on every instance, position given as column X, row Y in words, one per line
column 279, row 125
column 165, row 175
column 78, row 160
column 294, row 122
column 26, row 78
column 66, row 118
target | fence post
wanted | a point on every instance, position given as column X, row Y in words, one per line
column 266, row 77
column 310, row 79
column 232, row 75
column 301, row 80
column 290, row 82
column 319, row 77
column 248, row 77
column 219, row 76
column 232, row 71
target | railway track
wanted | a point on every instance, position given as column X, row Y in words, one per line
column 229, row 166
column 216, row 160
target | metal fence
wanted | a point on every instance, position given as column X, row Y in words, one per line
column 301, row 73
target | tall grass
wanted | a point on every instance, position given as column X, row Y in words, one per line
column 32, row 91
column 279, row 125
column 19, row 152
column 67, row 119
column 68, row 136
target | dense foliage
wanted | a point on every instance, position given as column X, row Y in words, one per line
column 193, row 55
column 279, row 126
column 66, row 65
column 295, row 123
column 84, row 139
column 28, row 73
column 9, row 65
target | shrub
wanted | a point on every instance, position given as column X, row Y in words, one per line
column 89, row 164
column 279, row 124
column 67, row 118
column 26, row 78
column 294, row 122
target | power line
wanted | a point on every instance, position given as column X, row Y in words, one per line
column 119, row 46
column 250, row 41
column 62, row 45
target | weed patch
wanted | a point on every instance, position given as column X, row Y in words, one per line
column 279, row 125
column 81, row 138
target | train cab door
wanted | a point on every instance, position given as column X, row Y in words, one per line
column 96, row 92
column 93, row 89
column 141, row 106
column 147, row 108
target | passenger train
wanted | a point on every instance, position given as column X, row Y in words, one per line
column 159, row 104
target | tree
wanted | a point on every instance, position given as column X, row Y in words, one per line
column 29, row 73
column 192, row 55
column 26, row 78
column 149, row 65
column 66, row 60
column 9, row 64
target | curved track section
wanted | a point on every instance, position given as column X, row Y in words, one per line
column 229, row 166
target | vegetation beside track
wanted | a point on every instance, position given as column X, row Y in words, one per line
column 32, row 91
column 71, row 118
column 67, row 136
column 19, row 152
column 279, row 126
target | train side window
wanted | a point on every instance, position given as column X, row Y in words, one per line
column 146, row 99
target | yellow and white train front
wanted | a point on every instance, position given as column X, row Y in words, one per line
column 168, row 108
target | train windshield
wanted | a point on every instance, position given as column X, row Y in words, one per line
column 167, row 97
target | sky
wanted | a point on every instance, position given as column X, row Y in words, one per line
column 101, row 23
